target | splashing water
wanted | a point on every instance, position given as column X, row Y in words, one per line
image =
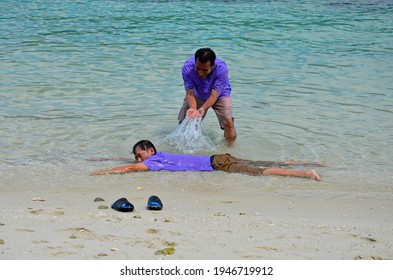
column 188, row 137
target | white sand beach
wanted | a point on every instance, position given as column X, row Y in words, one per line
column 206, row 216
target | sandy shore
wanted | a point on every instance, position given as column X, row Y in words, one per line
column 220, row 217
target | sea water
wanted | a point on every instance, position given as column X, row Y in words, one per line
column 311, row 80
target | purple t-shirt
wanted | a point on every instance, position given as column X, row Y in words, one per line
column 176, row 162
column 218, row 79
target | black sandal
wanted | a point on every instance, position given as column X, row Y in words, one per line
column 154, row 203
column 122, row 205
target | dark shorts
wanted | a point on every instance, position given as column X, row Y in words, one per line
column 231, row 164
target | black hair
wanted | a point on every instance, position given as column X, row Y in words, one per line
column 144, row 145
column 204, row 55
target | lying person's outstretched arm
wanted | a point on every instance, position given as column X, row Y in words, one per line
column 134, row 167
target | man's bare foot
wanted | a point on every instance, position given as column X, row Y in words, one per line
column 312, row 174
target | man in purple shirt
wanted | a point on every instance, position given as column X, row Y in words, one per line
column 148, row 158
column 207, row 86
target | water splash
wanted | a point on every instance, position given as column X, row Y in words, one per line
column 189, row 139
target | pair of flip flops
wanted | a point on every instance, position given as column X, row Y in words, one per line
column 123, row 205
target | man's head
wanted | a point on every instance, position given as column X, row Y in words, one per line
column 204, row 61
column 143, row 150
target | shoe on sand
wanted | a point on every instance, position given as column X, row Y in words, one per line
column 154, row 203
column 122, row 205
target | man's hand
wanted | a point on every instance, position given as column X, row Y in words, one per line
column 192, row 113
column 201, row 112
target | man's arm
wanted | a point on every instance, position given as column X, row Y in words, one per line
column 190, row 98
column 209, row 102
column 133, row 167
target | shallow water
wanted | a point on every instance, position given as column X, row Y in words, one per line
column 312, row 80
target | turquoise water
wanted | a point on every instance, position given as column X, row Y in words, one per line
column 312, row 80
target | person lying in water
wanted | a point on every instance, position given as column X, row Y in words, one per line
column 148, row 158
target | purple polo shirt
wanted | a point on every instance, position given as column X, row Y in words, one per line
column 218, row 79
column 177, row 162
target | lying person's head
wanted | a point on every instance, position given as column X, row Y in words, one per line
column 143, row 150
